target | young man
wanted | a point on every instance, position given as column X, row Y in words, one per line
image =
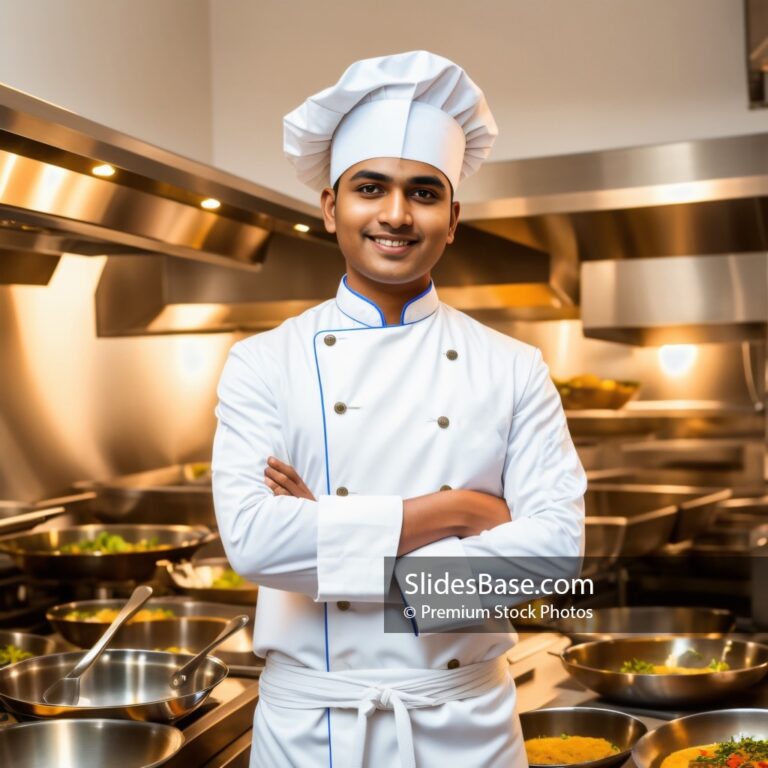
column 384, row 423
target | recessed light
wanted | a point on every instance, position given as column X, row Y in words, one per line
column 210, row 204
column 103, row 170
column 301, row 227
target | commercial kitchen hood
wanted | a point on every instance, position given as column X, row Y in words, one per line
column 670, row 240
column 174, row 266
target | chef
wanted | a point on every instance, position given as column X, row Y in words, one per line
column 382, row 424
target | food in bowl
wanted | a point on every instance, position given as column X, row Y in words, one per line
column 590, row 391
column 744, row 752
column 640, row 666
column 108, row 615
column 567, row 749
column 110, row 543
column 10, row 654
column 230, row 580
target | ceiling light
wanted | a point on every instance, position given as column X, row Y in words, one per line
column 301, row 227
column 103, row 170
column 677, row 359
column 210, row 204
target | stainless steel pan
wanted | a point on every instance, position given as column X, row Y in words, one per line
column 699, row 730
column 39, row 553
column 122, row 684
column 37, row 645
column 88, row 744
column 196, row 579
column 597, row 665
column 606, row 623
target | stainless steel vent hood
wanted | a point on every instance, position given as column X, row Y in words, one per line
column 680, row 300
column 176, row 267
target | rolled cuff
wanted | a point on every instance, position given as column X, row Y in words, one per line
column 354, row 536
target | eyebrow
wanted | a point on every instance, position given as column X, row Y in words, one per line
column 429, row 181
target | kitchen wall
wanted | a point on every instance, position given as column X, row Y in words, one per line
column 140, row 66
column 560, row 76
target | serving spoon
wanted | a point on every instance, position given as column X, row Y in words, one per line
column 66, row 691
column 181, row 675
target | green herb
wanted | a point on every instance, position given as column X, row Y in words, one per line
column 637, row 665
column 718, row 666
column 10, row 654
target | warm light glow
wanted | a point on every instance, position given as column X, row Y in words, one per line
column 677, row 359
column 103, row 170
column 301, row 227
column 210, row 204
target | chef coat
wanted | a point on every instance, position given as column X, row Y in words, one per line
column 369, row 415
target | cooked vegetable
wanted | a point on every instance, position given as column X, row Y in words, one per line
column 647, row 668
column 110, row 543
column 10, row 654
column 228, row 580
column 108, row 615
column 566, row 749
column 744, row 752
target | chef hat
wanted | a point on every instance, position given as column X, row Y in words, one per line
column 413, row 105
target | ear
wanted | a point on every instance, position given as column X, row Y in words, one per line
column 328, row 207
column 455, row 211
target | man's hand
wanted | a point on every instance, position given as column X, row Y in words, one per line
column 284, row 480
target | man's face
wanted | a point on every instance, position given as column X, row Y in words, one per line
column 392, row 218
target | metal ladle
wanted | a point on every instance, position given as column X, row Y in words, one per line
column 66, row 691
column 181, row 675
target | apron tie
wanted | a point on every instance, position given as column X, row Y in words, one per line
column 296, row 687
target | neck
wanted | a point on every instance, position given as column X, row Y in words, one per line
column 390, row 299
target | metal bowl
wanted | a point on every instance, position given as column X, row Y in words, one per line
column 606, row 623
column 596, row 665
column 193, row 626
column 88, row 744
column 122, row 684
column 195, row 580
column 700, row 729
column 39, row 553
column 618, row 728
column 37, row 645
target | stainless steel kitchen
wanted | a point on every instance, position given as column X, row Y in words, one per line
column 173, row 329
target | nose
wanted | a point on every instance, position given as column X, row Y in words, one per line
column 395, row 210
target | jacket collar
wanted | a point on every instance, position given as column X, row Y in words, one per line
column 365, row 311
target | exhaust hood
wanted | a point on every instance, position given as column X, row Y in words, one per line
column 175, row 266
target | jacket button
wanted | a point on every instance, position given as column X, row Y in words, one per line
column 340, row 408
column 443, row 422
column 446, row 488
column 343, row 605
column 329, row 340
column 342, row 491
column 451, row 354
column 453, row 664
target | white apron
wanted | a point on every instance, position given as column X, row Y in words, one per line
column 371, row 415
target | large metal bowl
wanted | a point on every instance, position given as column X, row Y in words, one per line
column 596, row 665
column 700, row 729
column 196, row 579
column 92, row 743
column 193, row 626
column 39, row 553
column 618, row 728
column 37, row 645
column 652, row 621
column 122, row 684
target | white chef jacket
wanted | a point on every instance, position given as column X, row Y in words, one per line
column 369, row 415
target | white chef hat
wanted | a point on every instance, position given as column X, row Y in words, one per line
column 413, row 105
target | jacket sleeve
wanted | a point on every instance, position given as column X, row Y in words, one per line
column 325, row 549
column 543, row 485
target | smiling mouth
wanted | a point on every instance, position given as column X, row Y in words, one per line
column 392, row 246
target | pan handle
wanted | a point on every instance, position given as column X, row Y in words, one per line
column 181, row 675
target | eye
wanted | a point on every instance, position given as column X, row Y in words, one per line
column 424, row 194
column 368, row 189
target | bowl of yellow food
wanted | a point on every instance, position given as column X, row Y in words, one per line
column 666, row 671
column 211, row 579
column 727, row 738
column 588, row 391
column 587, row 737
